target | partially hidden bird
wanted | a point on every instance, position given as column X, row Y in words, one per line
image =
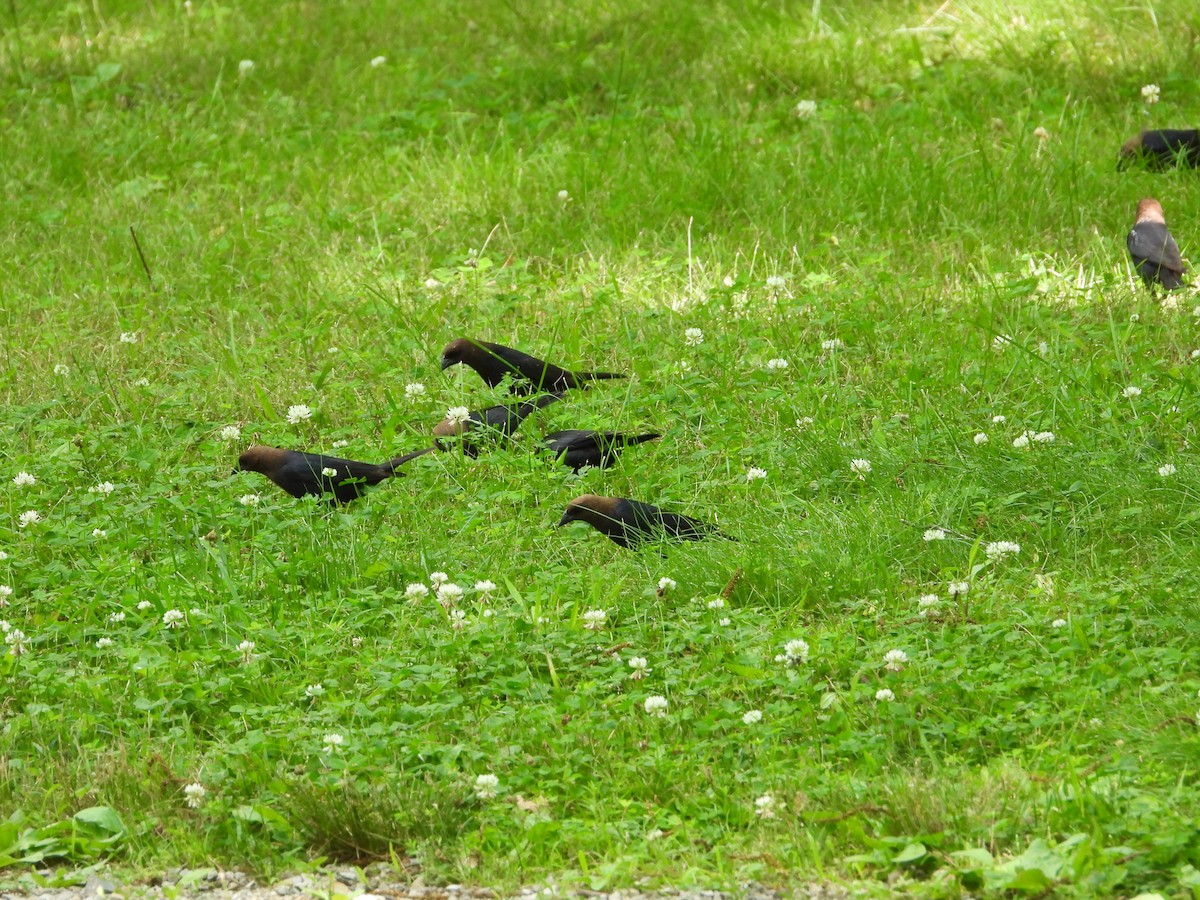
column 578, row 448
column 1155, row 253
column 529, row 374
column 631, row 523
column 496, row 422
column 302, row 474
column 1162, row 148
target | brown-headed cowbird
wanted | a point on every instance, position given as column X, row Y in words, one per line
column 578, row 448
column 530, row 374
column 301, row 473
column 1162, row 149
column 1155, row 253
column 630, row 523
column 498, row 421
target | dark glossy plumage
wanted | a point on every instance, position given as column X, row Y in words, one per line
column 631, row 523
column 1154, row 252
column 495, row 422
column 529, row 374
column 578, row 448
column 301, row 473
column 1162, row 149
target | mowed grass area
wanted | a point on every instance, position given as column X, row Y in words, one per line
column 317, row 227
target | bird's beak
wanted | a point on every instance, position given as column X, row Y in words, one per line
column 447, row 362
column 565, row 520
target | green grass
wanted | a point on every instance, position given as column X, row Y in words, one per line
column 317, row 228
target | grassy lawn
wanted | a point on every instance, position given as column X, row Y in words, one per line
column 915, row 207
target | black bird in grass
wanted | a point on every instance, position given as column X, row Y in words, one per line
column 631, row 523
column 578, row 448
column 1162, row 149
column 497, row 421
column 301, row 473
column 1155, row 253
column 530, row 374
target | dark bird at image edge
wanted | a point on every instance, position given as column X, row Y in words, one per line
column 1154, row 252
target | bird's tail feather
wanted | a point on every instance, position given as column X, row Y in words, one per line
column 396, row 463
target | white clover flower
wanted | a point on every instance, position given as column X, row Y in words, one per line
column 298, row 413
column 806, row 109
column 666, row 584
column 795, row 652
column 861, row 468
column 656, row 706
column 457, row 415
column 103, row 643
column 416, row 591
column 775, row 282
column 958, row 588
column 777, row 364
column 933, row 534
column 1167, row 470
column 752, row 717
column 333, row 742
column 486, row 786
column 231, row 433
column 313, row 691
column 638, row 664
column 594, row 619
column 5, row 593
column 449, row 593
column 1041, row 134
column 1131, row 391
column 563, row 196
column 831, row 344
column 458, row 619
column 3, row 556
column 142, row 382
column 1021, row 441
column 764, row 807
column 338, row 445
column 1058, row 623
column 693, row 337
column 144, row 605
column 329, row 472
column 104, row 487
column 1044, row 437
column 378, row 61
column 980, row 439
column 129, row 337
column 194, row 794
column 485, row 587
column 246, row 648
column 804, row 422
column 5, row 628
column 438, row 578
column 927, row 604
column 414, row 390
column 884, row 695
column 29, row 517
column 17, row 642
column 894, row 660
column 754, row 473
column 998, row 420
column 432, row 284
column 116, row 618
column 723, row 623
column 245, row 67
column 1195, row 354
column 1001, row 342
column 23, row 479
column 249, row 499
column 61, row 369
column 172, row 618
column 999, row 549
column 1150, row 93
column 716, row 603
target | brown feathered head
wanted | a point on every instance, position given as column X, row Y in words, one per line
column 1149, row 210
column 590, row 508
column 260, row 459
